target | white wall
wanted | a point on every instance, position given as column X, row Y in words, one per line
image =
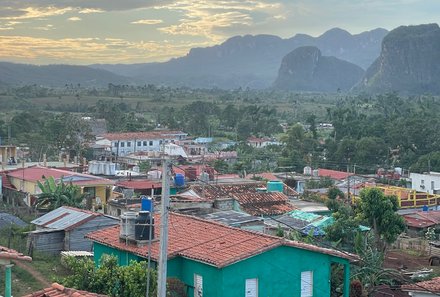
column 425, row 182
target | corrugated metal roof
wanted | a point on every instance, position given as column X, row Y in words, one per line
column 64, row 218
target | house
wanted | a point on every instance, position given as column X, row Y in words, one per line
column 25, row 180
column 333, row 174
column 257, row 142
column 122, row 144
column 300, row 221
column 8, row 155
column 63, row 229
column 215, row 260
column 424, row 288
column 426, row 182
column 418, row 222
column 237, row 219
column 252, row 198
column 60, row 291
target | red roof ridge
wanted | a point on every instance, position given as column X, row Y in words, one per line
column 10, row 254
column 59, row 290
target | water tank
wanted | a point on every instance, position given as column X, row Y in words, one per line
column 179, row 180
column 143, row 227
column 100, row 169
column 275, row 186
column 128, row 220
column 307, row 170
column 147, row 204
column 191, row 173
column 204, row 176
column 315, row 172
column 136, row 169
column 106, row 167
column 112, row 169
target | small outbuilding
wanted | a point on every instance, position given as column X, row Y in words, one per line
column 63, row 229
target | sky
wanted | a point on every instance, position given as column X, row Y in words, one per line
column 138, row 31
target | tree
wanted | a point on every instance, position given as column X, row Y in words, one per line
column 380, row 213
column 370, row 271
column 54, row 195
column 344, row 228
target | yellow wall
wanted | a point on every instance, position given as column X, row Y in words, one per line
column 31, row 187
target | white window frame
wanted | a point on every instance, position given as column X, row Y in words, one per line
column 198, row 291
column 307, row 283
column 246, row 292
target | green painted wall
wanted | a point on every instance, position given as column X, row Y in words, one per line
column 278, row 272
column 124, row 257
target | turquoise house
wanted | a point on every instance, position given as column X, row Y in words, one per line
column 215, row 260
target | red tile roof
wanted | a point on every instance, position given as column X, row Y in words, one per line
column 206, row 241
column 139, row 184
column 432, row 286
column 264, row 175
column 199, row 168
column 38, row 173
column 415, row 221
column 333, row 174
column 226, row 190
column 141, row 135
column 10, row 254
column 57, row 290
column 271, row 203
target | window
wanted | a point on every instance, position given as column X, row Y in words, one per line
column 198, row 285
column 145, row 143
column 307, row 284
column 122, row 144
column 151, row 142
column 139, row 143
column 251, row 289
column 128, row 143
column 115, row 144
column 432, row 185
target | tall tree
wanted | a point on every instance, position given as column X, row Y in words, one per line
column 380, row 213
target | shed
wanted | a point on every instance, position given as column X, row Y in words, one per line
column 63, row 229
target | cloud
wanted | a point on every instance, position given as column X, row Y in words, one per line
column 74, row 19
column 86, row 6
column 214, row 20
column 88, row 50
column 32, row 13
column 90, row 10
column 147, row 22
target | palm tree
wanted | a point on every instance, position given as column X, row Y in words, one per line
column 54, row 195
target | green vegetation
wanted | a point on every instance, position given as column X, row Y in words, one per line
column 114, row 280
column 54, row 195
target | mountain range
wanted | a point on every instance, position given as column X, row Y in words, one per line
column 241, row 61
column 306, row 69
column 409, row 62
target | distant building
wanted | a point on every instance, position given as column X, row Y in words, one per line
column 122, row 144
column 426, row 182
column 261, row 142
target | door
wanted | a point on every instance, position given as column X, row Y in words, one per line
column 251, row 287
column 198, row 285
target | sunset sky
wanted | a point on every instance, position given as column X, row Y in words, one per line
column 137, row 31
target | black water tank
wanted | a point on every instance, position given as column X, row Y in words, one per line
column 142, row 226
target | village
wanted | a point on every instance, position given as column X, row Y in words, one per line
column 258, row 234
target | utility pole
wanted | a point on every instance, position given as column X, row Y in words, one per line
column 348, row 183
column 162, row 273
